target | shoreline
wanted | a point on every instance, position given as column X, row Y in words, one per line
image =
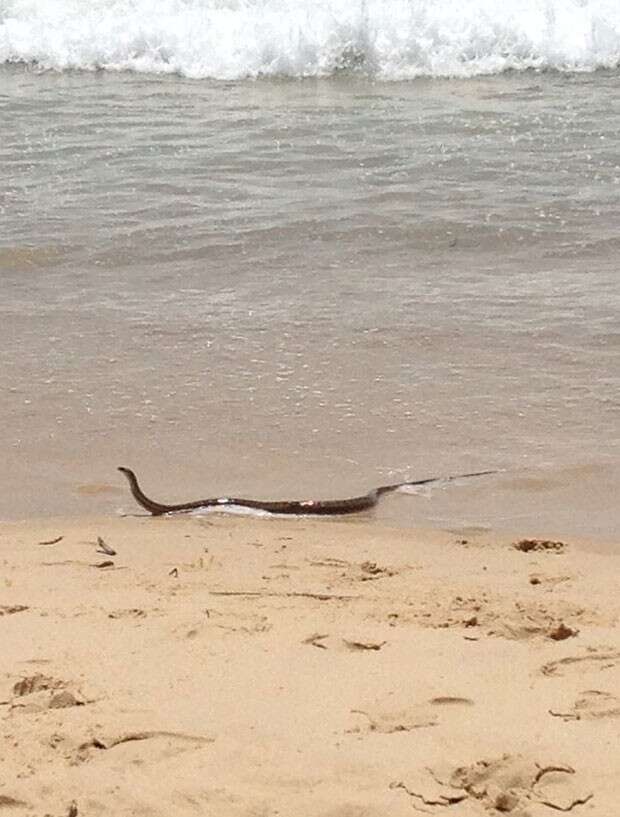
column 304, row 666
column 576, row 501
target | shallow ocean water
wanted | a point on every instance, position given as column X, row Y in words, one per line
column 305, row 287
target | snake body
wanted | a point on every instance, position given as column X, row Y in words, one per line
column 307, row 507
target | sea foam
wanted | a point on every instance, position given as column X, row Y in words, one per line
column 388, row 39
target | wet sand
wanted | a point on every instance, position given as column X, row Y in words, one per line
column 310, row 667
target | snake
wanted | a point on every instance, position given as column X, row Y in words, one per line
column 297, row 507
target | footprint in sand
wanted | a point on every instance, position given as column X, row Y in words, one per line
column 36, row 693
column 527, row 628
column 509, row 784
column 371, row 571
column 555, row 619
column 548, row 581
column 389, row 722
column 128, row 612
column 164, row 745
column 591, row 662
column 591, row 705
column 351, row 571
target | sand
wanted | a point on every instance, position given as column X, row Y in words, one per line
column 304, row 668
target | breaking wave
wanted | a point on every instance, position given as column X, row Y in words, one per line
column 387, row 39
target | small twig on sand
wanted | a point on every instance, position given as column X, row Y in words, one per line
column 52, row 541
column 363, row 645
column 315, row 640
column 9, row 609
column 260, row 593
column 567, row 716
column 103, row 548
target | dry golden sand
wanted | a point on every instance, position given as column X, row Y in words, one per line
column 302, row 668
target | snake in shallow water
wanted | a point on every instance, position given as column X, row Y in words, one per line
column 307, row 507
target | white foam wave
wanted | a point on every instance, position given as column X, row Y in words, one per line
column 390, row 39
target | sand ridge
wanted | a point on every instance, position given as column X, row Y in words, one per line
column 238, row 666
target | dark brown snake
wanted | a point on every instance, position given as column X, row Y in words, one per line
column 323, row 507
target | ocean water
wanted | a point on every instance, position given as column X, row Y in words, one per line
column 297, row 250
